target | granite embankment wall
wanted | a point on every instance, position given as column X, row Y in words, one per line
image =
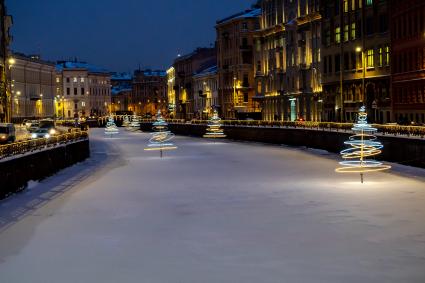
column 403, row 150
column 15, row 173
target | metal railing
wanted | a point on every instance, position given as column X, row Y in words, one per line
column 396, row 130
column 23, row 147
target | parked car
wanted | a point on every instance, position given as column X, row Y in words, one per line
column 48, row 124
column 32, row 126
column 41, row 133
column 7, row 133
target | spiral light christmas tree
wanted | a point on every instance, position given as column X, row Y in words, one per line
column 126, row 121
column 135, row 123
column 160, row 140
column 111, row 129
column 214, row 127
column 362, row 146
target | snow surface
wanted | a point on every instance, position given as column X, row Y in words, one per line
column 214, row 212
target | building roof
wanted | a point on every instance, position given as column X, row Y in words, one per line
column 151, row 73
column 61, row 65
column 205, row 72
column 251, row 13
column 121, row 77
column 120, row 88
column 32, row 58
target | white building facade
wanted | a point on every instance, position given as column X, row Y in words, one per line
column 32, row 87
column 205, row 89
column 82, row 90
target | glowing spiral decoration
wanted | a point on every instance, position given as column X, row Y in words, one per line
column 135, row 123
column 160, row 140
column 362, row 145
column 214, row 127
column 111, row 128
column 126, row 121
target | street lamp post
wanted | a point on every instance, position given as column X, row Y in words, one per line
column 358, row 50
column 8, row 117
column 235, row 102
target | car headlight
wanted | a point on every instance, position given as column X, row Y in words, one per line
column 52, row 131
column 34, row 136
column 47, row 136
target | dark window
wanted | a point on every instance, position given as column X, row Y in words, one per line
column 82, row 91
column 369, row 26
column 67, row 80
column 68, row 91
column 336, row 8
column 245, row 97
column 75, row 91
column 327, row 37
column 383, row 23
column 337, row 63
column 353, row 60
column 346, row 61
column 325, row 65
column 245, row 82
column 330, row 64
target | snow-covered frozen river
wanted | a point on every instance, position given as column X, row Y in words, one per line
column 223, row 212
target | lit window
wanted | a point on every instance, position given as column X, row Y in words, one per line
column 360, row 4
column 369, row 59
column 337, row 34
column 380, row 57
column 58, row 80
column 345, row 6
column 387, row 55
column 75, row 79
column 369, row 2
column 83, row 104
column 346, row 33
column 353, row 31
column 82, row 80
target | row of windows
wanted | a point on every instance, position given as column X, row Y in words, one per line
column 409, row 60
column 378, row 57
column 352, row 30
column 410, row 24
column 348, row 5
column 81, row 80
column 94, row 91
column 409, row 94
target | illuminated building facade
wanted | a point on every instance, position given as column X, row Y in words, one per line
column 185, row 67
column 82, row 90
column 408, row 64
column 356, row 60
column 33, row 88
column 287, row 60
column 205, row 89
column 171, row 92
column 5, row 40
column 121, row 93
column 150, row 92
column 235, row 40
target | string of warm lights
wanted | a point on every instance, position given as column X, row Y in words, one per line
column 160, row 140
column 214, row 127
column 363, row 144
column 111, row 128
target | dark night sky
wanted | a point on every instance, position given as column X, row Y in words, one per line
column 117, row 34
